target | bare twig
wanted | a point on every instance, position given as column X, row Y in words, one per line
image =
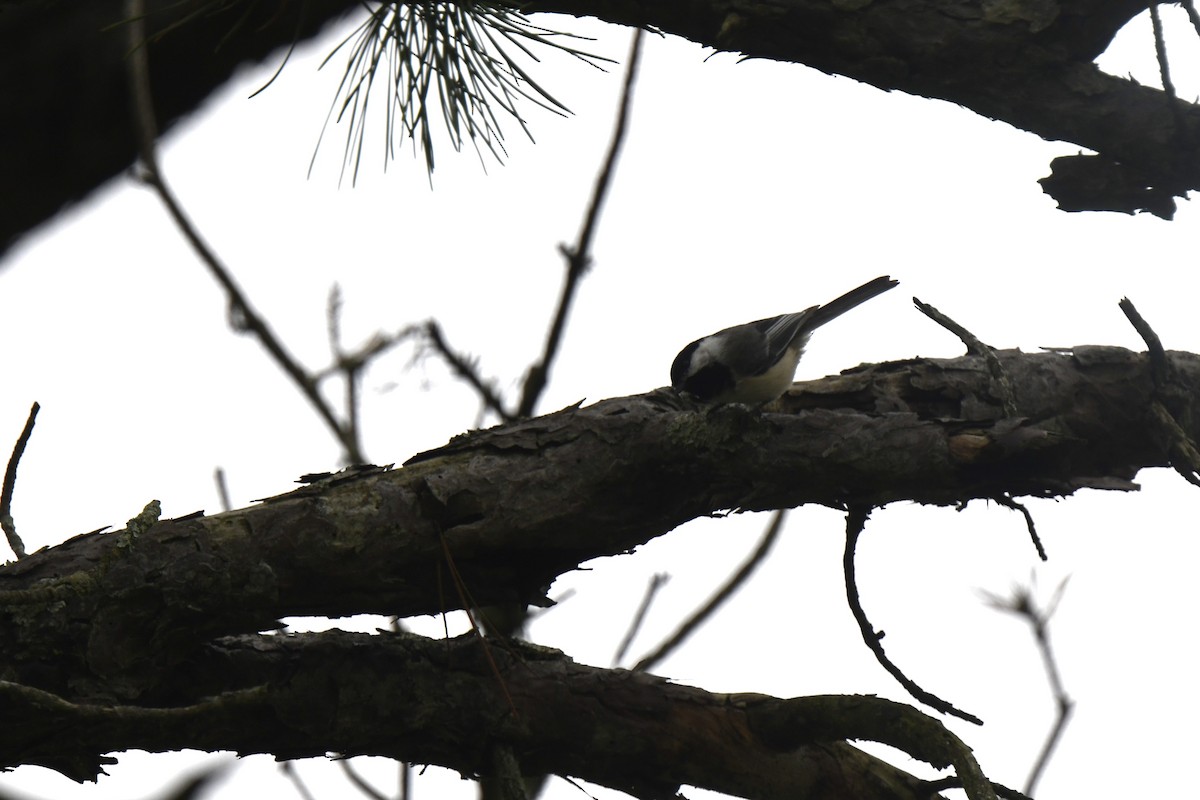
column 465, row 369
column 718, row 599
column 1160, row 51
column 1009, row 502
column 1023, row 604
column 239, row 306
column 657, row 581
column 222, row 488
column 351, row 369
column 856, row 521
column 288, row 768
column 350, row 365
column 1183, row 452
column 1190, row 7
column 978, row 348
column 1164, row 67
column 375, row 347
column 975, row 347
column 361, row 783
column 578, row 257
column 10, row 483
column 198, row 784
column 1154, row 348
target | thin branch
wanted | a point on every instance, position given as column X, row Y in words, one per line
column 1009, row 502
column 288, row 768
column 1184, row 454
column 222, row 488
column 1065, row 707
column 1164, row 67
column 375, row 347
column 1190, row 7
column 856, row 521
column 718, row 599
column 1160, row 52
column 359, row 781
column 579, row 257
column 657, row 581
column 240, row 309
column 1023, row 604
column 976, row 347
column 1154, row 347
column 10, row 483
column 466, row 370
column 351, row 369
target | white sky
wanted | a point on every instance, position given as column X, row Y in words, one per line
column 745, row 190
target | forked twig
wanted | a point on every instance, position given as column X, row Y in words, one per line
column 241, row 311
column 1023, row 604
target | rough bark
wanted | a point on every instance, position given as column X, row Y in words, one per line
column 169, row 617
column 451, row 703
column 1026, row 62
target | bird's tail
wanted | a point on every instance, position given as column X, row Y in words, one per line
column 851, row 299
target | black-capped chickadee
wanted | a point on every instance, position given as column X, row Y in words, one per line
column 756, row 363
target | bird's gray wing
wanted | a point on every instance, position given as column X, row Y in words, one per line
column 780, row 333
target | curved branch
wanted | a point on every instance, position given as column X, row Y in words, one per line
column 437, row 702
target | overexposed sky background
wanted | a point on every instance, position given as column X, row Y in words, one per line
column 745, row 190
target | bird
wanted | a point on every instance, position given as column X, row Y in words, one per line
column 755, row 363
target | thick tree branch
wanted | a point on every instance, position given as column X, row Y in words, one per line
column 517, row 505
column 1029, row 64
column 113, row 641
column 437, row 702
